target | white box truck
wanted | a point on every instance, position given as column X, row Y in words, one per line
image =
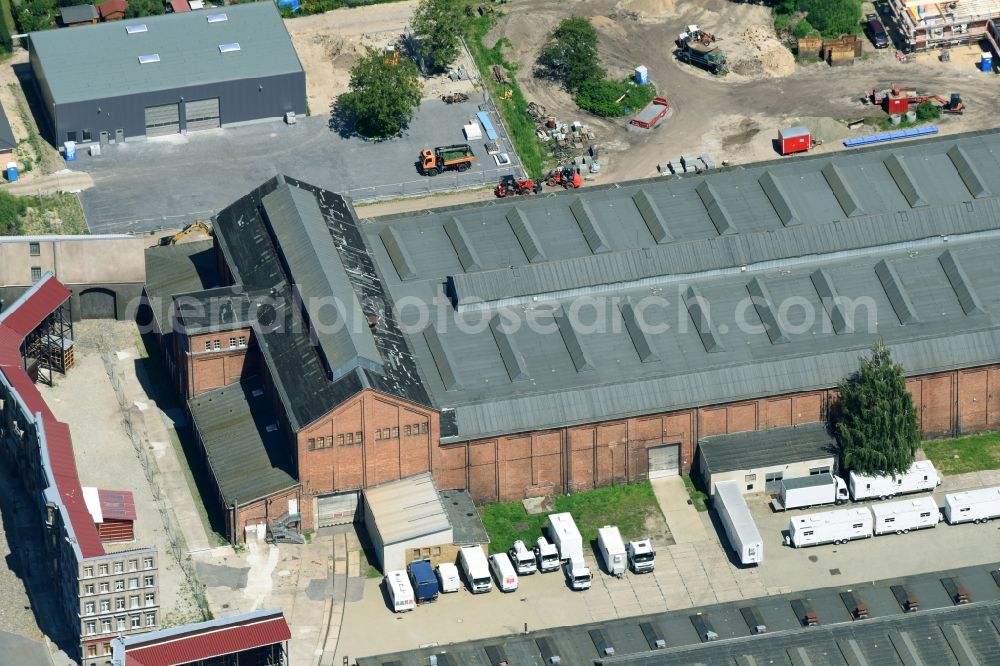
column 577, row 574
column 609, row 542
column 397, row 584
column 547, row 555
column 564, row 534
column 476, row 569
column 641, row 556
column 905, row 515
column 447, row 574
column 920, row 477
column 807, row 491
column 732, row 508
column 838, row 526
column 972, row 506
column 523, row 559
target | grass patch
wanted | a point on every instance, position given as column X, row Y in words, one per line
column 965, row 454
column 373, row 572
column 56, row 213
column 698, row 498
column 515, row 109
column 627, row 506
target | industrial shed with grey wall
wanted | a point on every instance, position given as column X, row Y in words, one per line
column 167, row 74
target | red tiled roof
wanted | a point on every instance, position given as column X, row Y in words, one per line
column 15, row 323
column 112, row 7
column 180, row 6
column 116, row 504
column 212, row 642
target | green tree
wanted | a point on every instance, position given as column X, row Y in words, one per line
column 383, row 96
column 571, row 52
column 140, row 8
column 877, row 423
column 437, row 23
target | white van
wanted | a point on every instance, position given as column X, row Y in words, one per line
column 523, row 559
column 475, row 568
column 447, row 574
column 397, row 584
column 504, row 572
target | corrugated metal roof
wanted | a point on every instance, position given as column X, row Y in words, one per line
column 25, row 314
column 116, row 504
column 407, row 509
column 763, row 448
column 7, row 140
column 196, row 642
column 102, row 60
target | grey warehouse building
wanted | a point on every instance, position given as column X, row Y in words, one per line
column 167, row 74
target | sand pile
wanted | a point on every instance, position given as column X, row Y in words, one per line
column 608, row 26
column 759, row 53
column 648, row 9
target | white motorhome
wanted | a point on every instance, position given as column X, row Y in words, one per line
column 447, row 574
column 920, row 477
column 839, row 526
column 397, row 584
column 578, row 574
column 641, row 556
column 476, row 569
column 547, row 555
column 742, row 532
column 905, row 515
column 972, row 506
column 609, row 542
column 523, row 559
column 564, row 534
column 504, row 572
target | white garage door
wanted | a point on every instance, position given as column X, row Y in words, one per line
column 336, row 509
column 162, row 120
column 664, row 460
column 202, row 114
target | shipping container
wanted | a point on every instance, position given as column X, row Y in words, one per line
column 794, row 139
column 743, row 536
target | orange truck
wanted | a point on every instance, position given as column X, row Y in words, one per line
column 442, row 158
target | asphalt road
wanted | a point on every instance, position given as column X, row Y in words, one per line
column 147, row 185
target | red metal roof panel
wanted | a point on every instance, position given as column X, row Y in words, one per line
column 213, row 642
column 39, row 302
column 116, row 504
column 180, row 6
column 111, row 7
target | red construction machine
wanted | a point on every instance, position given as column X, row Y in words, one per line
column 509, row 186
column 568, row 177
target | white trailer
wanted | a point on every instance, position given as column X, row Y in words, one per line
column 566, row 537
column 609, row 542
column 905, row 515
column 920, row 477
column 972, row 506
column 807, row 491
column 736, row 519
column 838, row 526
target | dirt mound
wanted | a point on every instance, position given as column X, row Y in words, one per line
column 608, row 26
column 648, row 9
column 757, row 52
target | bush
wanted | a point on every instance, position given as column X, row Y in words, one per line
column 832, row 18
column 571, row 52
column 12, row 209
column 803, row 29
column 781, row 21
column 926, row 111
column 601, row 96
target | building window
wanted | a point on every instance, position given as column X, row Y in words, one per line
column 232, row 343
column 88, row 589
column 147, row 563
column 350, row 438
column 423, row 428
column 750, row 478
column 88, row 572
column 119, row 585
column 120, row 622
column 357, row 438
column 774, row 476
column 105, row 626
column 243, row 341
column 35, row 249
column 133, row 583
column 133, row 601
column 36, row 274
column 208, row 345
column 815, row 471
column 217, row 344
column 102, row 570
column 312, row 444
column 408, row 430
column 91, row 628
column 340, row 440
column 395, row 432
column 322, row 442
column 107, row 648
column 91, row 650
column 120, row 603
column 119, row 567
column 147, row 581
column 133, row 565
column 105, row 588
column 105, row 605
column 86, row 134
column 150, row 599
column 378, row 434
column 88, row 608
column 150, row 619
column 136, row 622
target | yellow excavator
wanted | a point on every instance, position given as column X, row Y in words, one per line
column 195, row 228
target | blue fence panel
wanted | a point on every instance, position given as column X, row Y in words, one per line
column 484, row 118
column 894, row 135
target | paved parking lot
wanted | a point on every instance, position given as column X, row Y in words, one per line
column 167, row 182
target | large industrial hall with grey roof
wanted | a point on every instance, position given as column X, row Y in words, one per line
column 558, row 343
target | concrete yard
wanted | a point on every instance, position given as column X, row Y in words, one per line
column 167, row 182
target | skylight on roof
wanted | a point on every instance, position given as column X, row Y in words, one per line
column 146, row 59
column 217, row 18
column 229, row 48
column 134, row 29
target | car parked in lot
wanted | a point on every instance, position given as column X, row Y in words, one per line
column 876, row 31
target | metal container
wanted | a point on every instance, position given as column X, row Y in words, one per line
column 642, row 74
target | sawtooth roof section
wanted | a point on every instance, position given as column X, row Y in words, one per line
column 968, row 171
column 581, row 360
column 464, row 250
column 652, row 216
column 848, row 200
column 698, row 308
column 831, row 301
column 331, row 305
column 780, row 199
column 905, row 180
column 102, row 60
column 637, row 332
column 399, row 254
column 720, row 215
column 442, row 359
column 960, row 283
column 589, row 226
column 513, row 360
column 521, row 226
column 764, row 305
column 894, row 289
